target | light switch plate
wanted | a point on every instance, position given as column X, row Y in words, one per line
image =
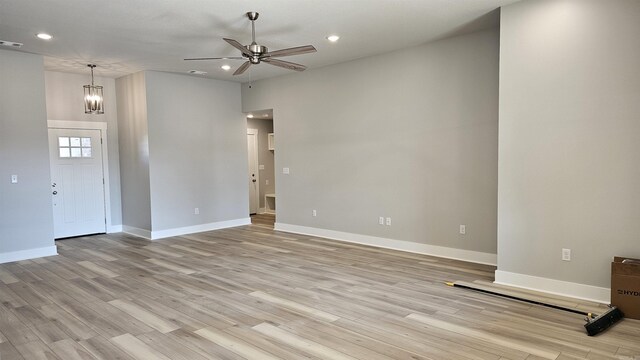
column 285, row 171
column 14, row 179
column 260, row 167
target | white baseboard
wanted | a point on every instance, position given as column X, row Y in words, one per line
column 408, row 246
column 552, row 286
column 142, row 233
column 161, row 234
column 28, row 254
column 114, row 229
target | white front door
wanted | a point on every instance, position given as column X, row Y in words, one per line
column 254, row 192
column 77, row 182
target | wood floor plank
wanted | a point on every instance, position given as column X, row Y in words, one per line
column 136, row 348
column 296, row 341
column 169, row 347
column 149, row 318
column 307, row 310
column 171, row 266
column 70, row 350
column 37, row 350
column 234, row 344
column 99, row 270
column 486, row 336
column 6, row 277
column 102, row 349
column 71, row 325
column 9, row 352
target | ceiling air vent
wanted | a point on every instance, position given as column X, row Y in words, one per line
column 10, row 44
column 197, row 72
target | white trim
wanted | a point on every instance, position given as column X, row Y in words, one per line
column 142, row 233
column 552, row 286
column 114, row 229
column 161, row 234
column 256, row 147
column 261, row 210
column 408, row 246
column 91, row 125
column 28, row 254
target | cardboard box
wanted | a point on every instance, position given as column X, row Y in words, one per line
column 625, row 286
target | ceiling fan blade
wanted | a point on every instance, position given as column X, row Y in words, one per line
column 292, row 51
column 238, row 46
column 218, row 58
column 285, row 64
column 242, row 68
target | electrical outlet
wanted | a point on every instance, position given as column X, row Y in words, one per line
column 14, row 179
column 566, row 254
column 285, row 171
column 381, row 220
column 463, row 229
column 196, row 211
column 266, row 182
column 314, row 213
column 388, row 221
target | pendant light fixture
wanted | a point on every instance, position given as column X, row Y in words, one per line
column 93, row 97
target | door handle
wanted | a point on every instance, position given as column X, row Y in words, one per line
column 254, row 180
column 55, row 192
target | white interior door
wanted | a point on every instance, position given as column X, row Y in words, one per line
column 77, row 182
column 254, row 190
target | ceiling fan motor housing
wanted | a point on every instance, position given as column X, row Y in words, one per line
column 258, row 52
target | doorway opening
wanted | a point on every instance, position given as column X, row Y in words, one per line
column 261, row 166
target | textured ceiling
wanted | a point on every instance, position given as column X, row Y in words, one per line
column 125, row 36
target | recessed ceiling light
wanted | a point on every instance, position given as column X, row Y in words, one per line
column 44, row 36
column 266, row 115
column 225, row 67
column 333, row 38
column 197, row 72
column 250, row 116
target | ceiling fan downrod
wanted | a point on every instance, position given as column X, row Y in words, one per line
column 257, row 50
column 253, row 16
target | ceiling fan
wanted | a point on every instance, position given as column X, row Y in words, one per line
column 255, row 54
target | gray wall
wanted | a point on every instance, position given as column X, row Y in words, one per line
column 134, row 151
column 265, row 156
column 569, row 137
column 197, row 151
column 65, row 103
column 411, row 135
column 26, row 217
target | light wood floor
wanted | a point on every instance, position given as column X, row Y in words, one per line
column 253, row 293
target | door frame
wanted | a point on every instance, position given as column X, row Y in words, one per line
column 256, row 134
column 102, row 126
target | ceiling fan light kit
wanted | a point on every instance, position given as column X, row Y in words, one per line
column 254, row 53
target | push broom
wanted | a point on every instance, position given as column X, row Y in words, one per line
column 595, row 324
